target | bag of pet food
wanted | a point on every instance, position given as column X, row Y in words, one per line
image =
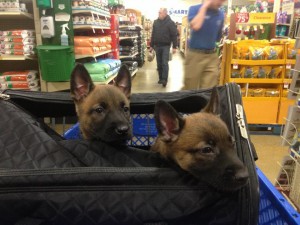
column 273, row 52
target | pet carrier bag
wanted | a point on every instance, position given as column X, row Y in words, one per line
column 47, row 180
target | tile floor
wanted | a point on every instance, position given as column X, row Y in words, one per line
column 268, row 147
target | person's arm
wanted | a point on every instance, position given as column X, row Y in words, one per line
column 152, row 38
column 197, row 22
column 220, row 32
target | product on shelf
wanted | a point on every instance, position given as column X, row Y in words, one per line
column 103, row 69
column 257, row 72
column 17, row 42
column 257, row 50
column 90, row 45
column 12, row 6
column 96, row 5
column 25, row 80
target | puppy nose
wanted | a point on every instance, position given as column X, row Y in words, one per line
column 242, row 175
column 122, row 129
column 239, row 174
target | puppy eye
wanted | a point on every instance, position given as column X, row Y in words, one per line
column 206, row 150
column 126, row 109
column 99, row 109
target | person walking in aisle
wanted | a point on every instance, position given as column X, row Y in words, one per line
column 164, row 32
column 201, row 67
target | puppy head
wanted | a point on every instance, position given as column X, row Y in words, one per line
column 103, row 110
column 200, row 144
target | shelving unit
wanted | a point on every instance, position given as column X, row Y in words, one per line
column 17, row 20
column 92, row 56
column 260, row 109
column 89, row 27
column 288, row 8
column 124, row 38
column 15, row 15
column 130, row 56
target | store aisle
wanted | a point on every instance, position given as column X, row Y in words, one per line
column 146, row 78
column 268, row 147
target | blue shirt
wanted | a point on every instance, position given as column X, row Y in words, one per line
column 211, row 30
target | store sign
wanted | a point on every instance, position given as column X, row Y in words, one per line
column 181, row 12
column 262, row 18
column 242, row 18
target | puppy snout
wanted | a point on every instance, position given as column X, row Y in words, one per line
column 122, row 129
column 238, row 174
column 242, row 175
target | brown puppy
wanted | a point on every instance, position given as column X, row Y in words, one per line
column 103, row 110
column 200, row 144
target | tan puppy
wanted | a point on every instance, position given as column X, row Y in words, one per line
column 200, row 144
column 103, row 110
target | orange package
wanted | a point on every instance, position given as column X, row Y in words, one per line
column 83, row 41
column 86, row 50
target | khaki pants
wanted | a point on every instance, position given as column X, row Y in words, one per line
column 200, row 70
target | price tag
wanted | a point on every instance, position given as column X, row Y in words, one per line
column 286, row 85
column 242, row 18
column 288, row 66
column 235, row 66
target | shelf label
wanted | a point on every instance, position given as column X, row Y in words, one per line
column 242, row 18
column 235, row 66
column 261, row 18
column 286, row 85
column 288, row 66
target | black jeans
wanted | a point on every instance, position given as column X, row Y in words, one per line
column 162, row 59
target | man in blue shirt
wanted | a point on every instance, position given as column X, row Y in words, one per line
column 202, row 62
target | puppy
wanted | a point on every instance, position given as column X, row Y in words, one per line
column 200, row 144
column 102, row 110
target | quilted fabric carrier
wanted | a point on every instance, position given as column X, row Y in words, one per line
column 45, row 179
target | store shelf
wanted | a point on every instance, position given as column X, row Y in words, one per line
column 15, row 15
column 127, row 26
column 282, row 37
column 287, row 81
column 125, row 56
column 255, row 81
column 86, row 27
column 92, row 56
column 15, row 57
column 124, row 38
column 107, row 81
column 283, row 24
column 258, row 62
column 88, row 10
column 291, row 61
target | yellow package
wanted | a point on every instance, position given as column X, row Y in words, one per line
column 256, row 53
column 259, row 92
column 243, row 92
column 275, row 72
column 285, row 93
column 248, row 72
column 273, row 52
column 241, row 52
column 263, row 71
column 272, row 93
column 236, row 73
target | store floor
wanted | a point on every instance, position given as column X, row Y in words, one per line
column 268, row 147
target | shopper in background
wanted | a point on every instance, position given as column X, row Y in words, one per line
column 164, row 32
column 201, row 69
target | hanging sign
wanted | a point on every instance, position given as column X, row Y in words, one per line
column 242, row 18
column 262, row 18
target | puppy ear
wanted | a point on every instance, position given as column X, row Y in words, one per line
column 123, row 80
column 81, row 83
column 213, row 106
column 168, row 122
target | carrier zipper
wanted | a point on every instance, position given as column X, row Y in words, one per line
column 241, row 121
column 4, row 96
column 100, row 188
column 49, row 96
column 76, row 170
